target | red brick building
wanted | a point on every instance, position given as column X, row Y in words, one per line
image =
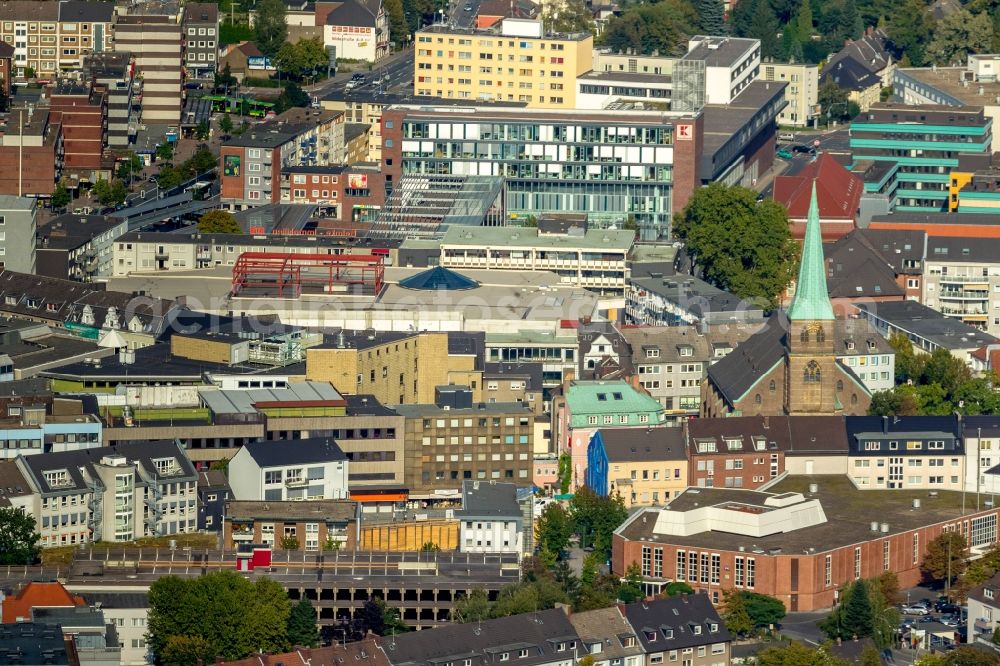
column 838, row 193
column 799, row 542
column 350, row 193
column 82, row 111
column 31, row 150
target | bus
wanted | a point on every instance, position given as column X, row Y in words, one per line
column 243, row 106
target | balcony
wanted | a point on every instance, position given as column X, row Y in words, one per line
column 965, row 279
column 296, row 482
column 243, row 536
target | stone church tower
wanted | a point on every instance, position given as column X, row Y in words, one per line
column 811, row 361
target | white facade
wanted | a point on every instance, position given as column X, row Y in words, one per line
column 801, row 93
column 922, row 472
column 490, row 536
column 289, row 481
column 876, row 371
column 726, row 77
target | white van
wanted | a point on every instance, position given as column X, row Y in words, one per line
column 786, row 136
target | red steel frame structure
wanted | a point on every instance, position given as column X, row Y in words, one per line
column 287, row 272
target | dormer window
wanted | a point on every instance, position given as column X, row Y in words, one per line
column 687, row 351
column 32, row 303
column 988, row 592
column 653, row 353
column 522, row 654
column 697, row 630
column 668, row 634
column 10, row 300
column 734, row 443
column 713, row 627
column 850, row 345
column 504, row 656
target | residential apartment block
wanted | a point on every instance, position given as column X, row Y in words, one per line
column 120, row 494
column 491, row 519
column 962, row 280
column 153, row 35
column 82, row 112
column 313, row 524
column 913, row 452
column 643, row 465
column 594, row 258
column 17, row 233
column 984, row 612
column 516, row 62
column 802, row 92
column 201, row 35
column 53, row 37
column 115, row 71
column 33, row 142
column 298, row 469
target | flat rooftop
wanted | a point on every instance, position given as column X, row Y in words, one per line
column 948, row 80
column 849, row 513
column 720, row 51
column 516, row 237
column 304, row 510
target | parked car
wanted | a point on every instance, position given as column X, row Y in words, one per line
column 786, row 136
column 784, row 154
column 357, row 76
column 949, row 620
column 915, row 609
column 800, row 148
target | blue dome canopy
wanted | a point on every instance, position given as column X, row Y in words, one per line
column 438, row 278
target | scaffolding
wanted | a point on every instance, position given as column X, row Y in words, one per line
column 289, row 275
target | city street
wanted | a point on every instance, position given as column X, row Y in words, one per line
column 396, row 72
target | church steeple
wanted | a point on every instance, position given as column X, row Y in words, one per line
column 812, row 300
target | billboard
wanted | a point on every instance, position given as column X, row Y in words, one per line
column 357, row 181
column 231, row 165
column 260, row 62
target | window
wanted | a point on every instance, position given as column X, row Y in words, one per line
column 828, row 575
column 812, row 375
column 857, row 563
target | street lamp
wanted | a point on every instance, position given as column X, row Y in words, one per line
column 829, row 112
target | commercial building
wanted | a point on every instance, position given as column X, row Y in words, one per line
column 54, row 37
column 201, row 34
column 926, row 142
column 491, row 519
column 152, row 34
column 628, row 166
column 115, row 71
column 275, row 471
column 587, row 406
column 128, row 612
column 33, row 146
column 347, row 193
column 515, row 382
column 466, row 64
column 799, row 542
column 120, row 494
column 715, row 70
column 33, row 432
column 595, row 259
column 357, row 29
column 446, row 446
column 643, row 465
column 802, row 92
column 17, row 219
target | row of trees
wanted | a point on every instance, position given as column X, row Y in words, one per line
column 224, row 615
column 936, row 384
column 171, row 176
column 591, row 517
column 866, row 609
column 746, row 612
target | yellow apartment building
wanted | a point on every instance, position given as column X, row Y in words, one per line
column 514, row 62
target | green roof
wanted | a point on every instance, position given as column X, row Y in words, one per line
column 611, row 398
column 812, row 300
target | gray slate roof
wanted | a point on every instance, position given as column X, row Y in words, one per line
column 481, row 499
column 295, row 452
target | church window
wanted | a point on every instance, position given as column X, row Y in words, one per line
column 820, row 335
column 812, row 374
column 804, row 335
column 757, row 399
column 772, row 386
column 840, row 385
column 854, row 398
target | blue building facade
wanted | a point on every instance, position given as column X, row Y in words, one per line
column 597, row 466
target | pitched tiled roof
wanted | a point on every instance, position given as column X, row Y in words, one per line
column 734, row 374
column 838, row 191
column 855, row 270
column 643, row 444
column 37, row 595
column 849, row 74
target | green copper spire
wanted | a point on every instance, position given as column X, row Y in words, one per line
column 812, row 300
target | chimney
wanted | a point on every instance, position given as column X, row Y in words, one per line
column 885, row 425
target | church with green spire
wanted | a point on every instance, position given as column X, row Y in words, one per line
column 791, row 366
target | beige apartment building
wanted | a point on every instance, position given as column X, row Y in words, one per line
column 517, row 62
column 49, row 37
column 801, row 93
column 156, row 41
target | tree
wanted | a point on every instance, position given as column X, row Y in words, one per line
column 570, row 16
column 203, row 130
column 430, row 547
column 833, row 99
column 302, row 630
column 852, row 618
column 945, row 558
column 129, row 166
column 18, row 538
column 225, row 79
column 797, row 654
column 870, row 656
column 219, row 222
column 553, row 528
column 60, row 197
column 165, row 151
column 957, row 35
column 804, row 21
column 186, row 651
column 711, row 17
column 168, row 178
column 399, row 31
column 764, row 26
column 565, row 468
column 474, row 607
column 963, row 655
column 677, row 588
column 735, row 613
column 234, row 616
column 596, row 518
column 740, row 245
column 226, row 124
column 379, row 618
column 292, row 96
column 763, row 609
column 203, row 160
column 909, row 27
column 663, row 27
column 270, row 26
column 109, row 194
column 631, row 589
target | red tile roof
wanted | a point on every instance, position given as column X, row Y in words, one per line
column 37, row 595
column 838, row 191
column 990, row 355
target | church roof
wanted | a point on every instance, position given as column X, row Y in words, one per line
column 838, row 190
column 812, row 300
column 438, row 278
column 734, row 374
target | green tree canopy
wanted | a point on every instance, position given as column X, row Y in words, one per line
column 957, row 35
column 797, row 654
column 631, row 589
column 18, row 538
column 945, row 558
column 473, row 607
column 735, row 613
column 379, row 618
column 60, row 197
column 596, row 518
column 711, row 17
column 270, row 26
column 234, row 616
column 570, row 16
column 740, row 245
column 663, row 27
column 399, row 30
column 553, row 528
column 218, row 222
column 302, row 629
column 226, row 124
column 910, row 27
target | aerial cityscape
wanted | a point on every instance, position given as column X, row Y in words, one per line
column 454, row 333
